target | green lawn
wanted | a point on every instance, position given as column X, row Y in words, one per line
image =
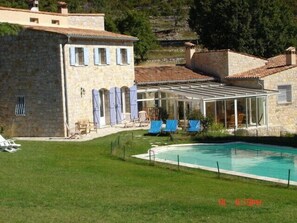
column 83, row 182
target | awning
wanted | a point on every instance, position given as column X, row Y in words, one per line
column 208, row 91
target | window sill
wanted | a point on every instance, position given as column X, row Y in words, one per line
column 78, row 65
column 284, row 103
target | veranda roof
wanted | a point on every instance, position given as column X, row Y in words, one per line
column 208, row 91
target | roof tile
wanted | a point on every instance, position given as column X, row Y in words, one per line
column 274, row 65
column 167, row 74
column 74, row 32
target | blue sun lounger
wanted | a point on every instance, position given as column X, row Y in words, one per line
column 156, row 126
column 171, row 126
column 194, row 126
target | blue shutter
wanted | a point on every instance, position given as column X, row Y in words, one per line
column 107, row 56
column 72, row 56
column 118, row 105
column 113, row 118
column 129, row 56
column 119, row 56
column 86, row 56
column 96, row 56
column 133, row 102
column 96, row 107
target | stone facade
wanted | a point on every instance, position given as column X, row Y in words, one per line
column 86, row 21
column 222, row 63
column 39, row 18
column 212, row 62
column 94, row 77
column 283, row 115
column 27, row 17
column 41, row 89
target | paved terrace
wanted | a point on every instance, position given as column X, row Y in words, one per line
column 85, row 137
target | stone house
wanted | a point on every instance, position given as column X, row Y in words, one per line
column 236, row 89
column 62, row 68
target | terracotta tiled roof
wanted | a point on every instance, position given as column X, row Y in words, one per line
column 87, row 33
column 167, row 74
column 274, row 65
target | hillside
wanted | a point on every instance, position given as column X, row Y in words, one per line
column 171, row 39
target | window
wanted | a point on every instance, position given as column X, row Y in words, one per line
column 20, row 106
column 123, row 56
column 55, row 22
column 101, row 56
column 285, row 94
column 34, row 20
column 79, row 56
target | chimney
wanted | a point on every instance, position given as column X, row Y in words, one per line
column 291, row 56
column 190, row 50
column 34, row 5
column 62, row 8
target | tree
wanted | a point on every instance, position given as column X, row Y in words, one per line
column 293, row 6
column 263, row 28
column 14, row 4
column 180, row 11
column 9, row 29
column 137, row 24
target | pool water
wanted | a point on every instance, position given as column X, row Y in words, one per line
column 256, row 159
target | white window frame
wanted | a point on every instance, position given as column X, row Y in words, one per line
column 101, row 56
column 79, row 56
column 20, row 107
column 123, row 56
column 285, row 94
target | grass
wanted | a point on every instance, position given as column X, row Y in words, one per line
column 83, row 182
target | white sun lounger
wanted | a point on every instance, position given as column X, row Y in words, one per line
column 8, row 145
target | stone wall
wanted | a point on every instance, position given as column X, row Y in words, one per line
column 30, row 67
column 238, row 62
column 212, row 62
column 222, row 63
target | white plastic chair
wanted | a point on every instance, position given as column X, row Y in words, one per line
column 143, row 118
column 72, row 133
column 128, row 121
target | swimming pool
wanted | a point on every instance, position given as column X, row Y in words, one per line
column 258, row 161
